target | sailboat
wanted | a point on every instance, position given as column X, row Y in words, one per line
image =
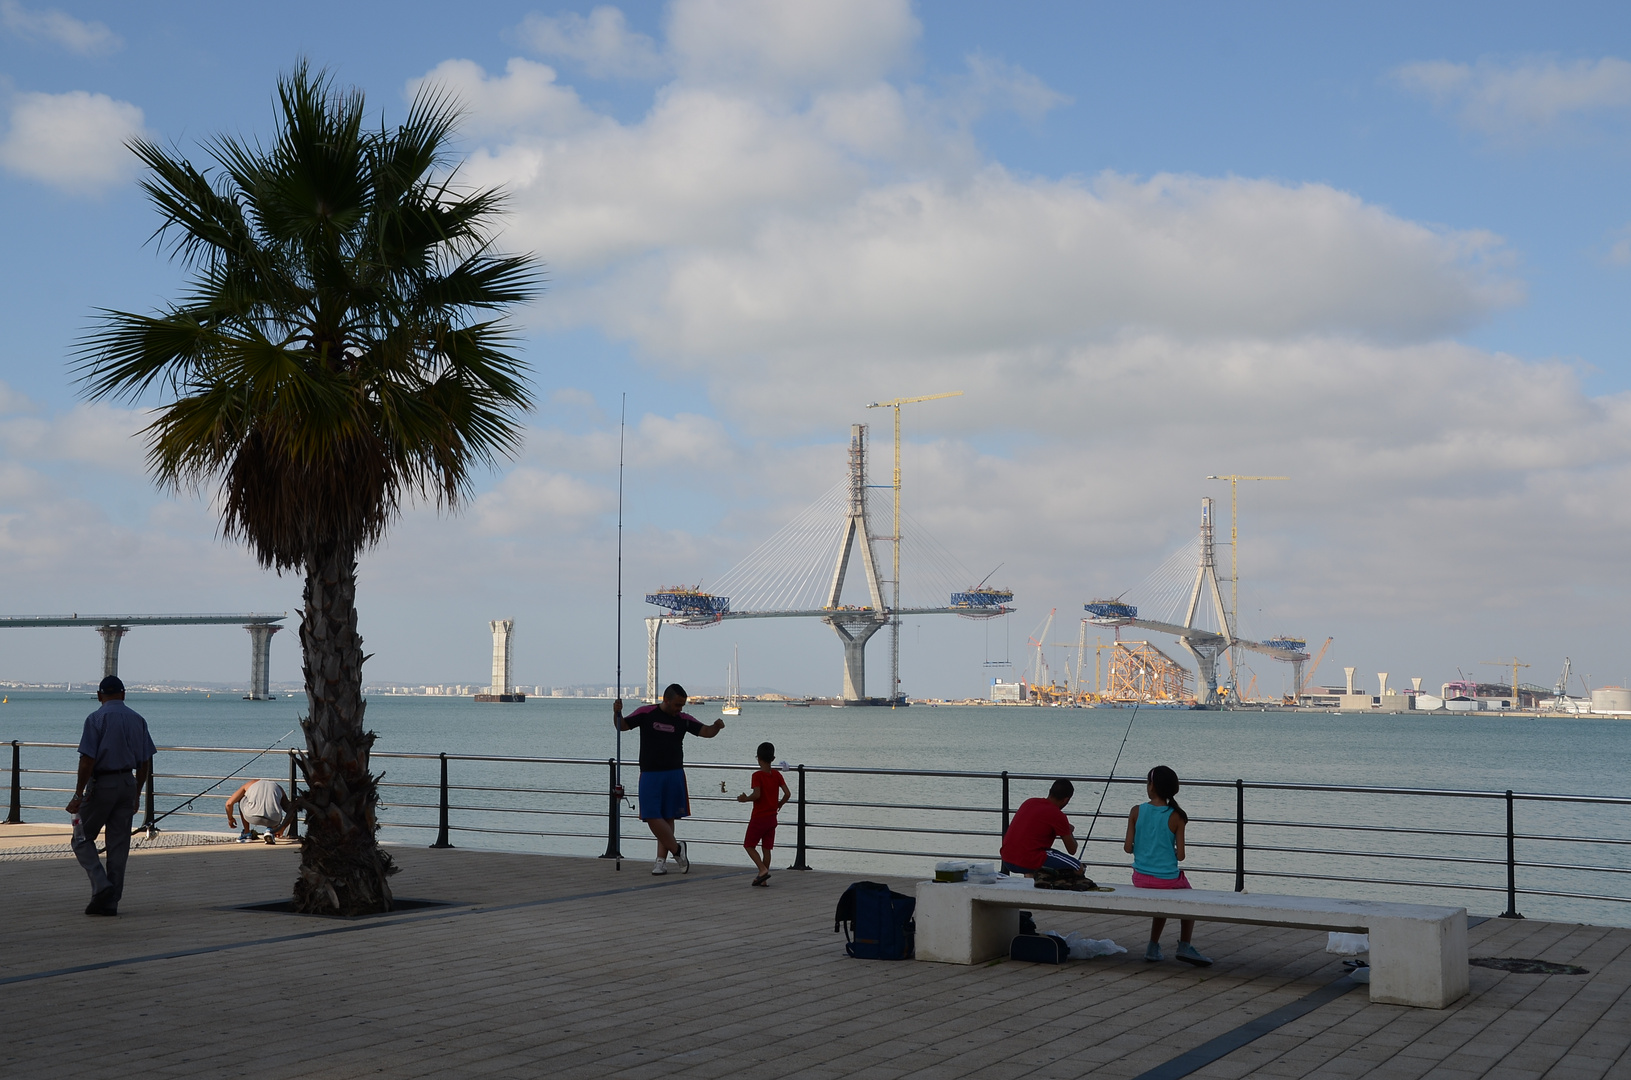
column 733, row 688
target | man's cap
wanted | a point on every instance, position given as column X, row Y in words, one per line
column 110, row 685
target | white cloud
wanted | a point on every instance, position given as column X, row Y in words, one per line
column 96, row 434
column 532, row 502
column 788, row 46
column 994, row 84
column 1514, row 98
column 59, row 28
column 73, row 141
column 526, row 99
column 703, row 165
column 934, row 269
column 600, row 43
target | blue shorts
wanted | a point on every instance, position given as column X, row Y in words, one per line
column 1054, row 860
column 663, row 795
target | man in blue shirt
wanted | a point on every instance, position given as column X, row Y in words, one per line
column 115, row 758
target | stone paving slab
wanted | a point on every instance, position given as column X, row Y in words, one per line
column 568, row 968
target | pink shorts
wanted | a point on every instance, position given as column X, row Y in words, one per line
column 761, row 831
column 1144, row 881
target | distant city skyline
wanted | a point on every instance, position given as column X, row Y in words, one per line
column 1384, row 251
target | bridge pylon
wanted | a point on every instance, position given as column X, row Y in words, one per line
column 855, row 626
column 1206, row 652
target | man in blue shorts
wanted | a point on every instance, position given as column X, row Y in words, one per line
column 663, row 796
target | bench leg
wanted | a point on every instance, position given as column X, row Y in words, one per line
column 953, row 929
column 1419, row 962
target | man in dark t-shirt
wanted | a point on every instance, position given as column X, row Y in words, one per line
column 1027, row 846
column 663, row 795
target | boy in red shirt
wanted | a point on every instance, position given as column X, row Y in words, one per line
column 1027, row 846
column 767, row 783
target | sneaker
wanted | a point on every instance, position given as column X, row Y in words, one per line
column 244, row 838
column 1152, row 952
column 1188, row 954
column 270, row 839
column 680, row 858
column 659, row 867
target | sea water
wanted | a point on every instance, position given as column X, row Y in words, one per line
column 562, row 808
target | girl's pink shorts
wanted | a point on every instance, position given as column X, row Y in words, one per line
column 1144, row 881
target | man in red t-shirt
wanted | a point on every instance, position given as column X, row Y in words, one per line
column 1027, row 846
column 767, row 786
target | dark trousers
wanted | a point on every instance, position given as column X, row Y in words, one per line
column 110, row 803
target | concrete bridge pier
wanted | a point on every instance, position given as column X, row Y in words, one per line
column 854, row 633
column 111, row 634
column 1206, row 664
column 260, row 660
column 654, row 627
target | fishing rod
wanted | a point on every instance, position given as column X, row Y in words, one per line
column 215, row 785
column 617, row 782
column 1110, row 778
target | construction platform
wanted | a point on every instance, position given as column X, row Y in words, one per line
column 564, row 967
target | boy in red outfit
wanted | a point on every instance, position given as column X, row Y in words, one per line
column 1027, row 846
column 767, row 783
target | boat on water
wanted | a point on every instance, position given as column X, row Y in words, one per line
column 733, row 687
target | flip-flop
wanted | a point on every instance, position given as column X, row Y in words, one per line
column 761, row 879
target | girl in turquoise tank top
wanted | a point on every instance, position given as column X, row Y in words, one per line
column 1155, row 840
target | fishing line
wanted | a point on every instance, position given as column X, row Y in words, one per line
column 1110, row 779
column 215, row 785
column 617, row 782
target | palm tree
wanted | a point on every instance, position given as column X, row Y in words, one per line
column 341, row 347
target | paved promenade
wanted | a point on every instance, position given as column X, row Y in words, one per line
column 566, row 968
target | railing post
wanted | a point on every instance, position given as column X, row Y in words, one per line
column 799, row 862
column 1511, row 911
column 1005, row 804
column 150, row 823
column 441, row 828
column 16, row 815
column 294, row 793
column 614, row 820
column 1240, row 836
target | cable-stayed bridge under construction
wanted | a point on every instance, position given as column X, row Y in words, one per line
column 802, row 571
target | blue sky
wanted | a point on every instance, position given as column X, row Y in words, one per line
column 1383, row 250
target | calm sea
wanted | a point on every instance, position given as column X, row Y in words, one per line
column 562, row 808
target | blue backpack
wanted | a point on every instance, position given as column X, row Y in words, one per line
column 877, row 922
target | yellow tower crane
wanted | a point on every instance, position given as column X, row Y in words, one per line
column 894, row 620
column 1514, row 663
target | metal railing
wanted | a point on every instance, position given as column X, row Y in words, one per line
column 1573, row 857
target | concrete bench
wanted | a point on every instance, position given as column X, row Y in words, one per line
column 1418, row 953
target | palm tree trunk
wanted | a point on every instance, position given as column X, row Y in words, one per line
column 342, row 869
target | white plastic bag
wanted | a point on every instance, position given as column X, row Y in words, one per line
column 1347, row 944
column 983, row 873
column 1085, row 948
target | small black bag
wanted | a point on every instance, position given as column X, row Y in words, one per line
column 1039, row 949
